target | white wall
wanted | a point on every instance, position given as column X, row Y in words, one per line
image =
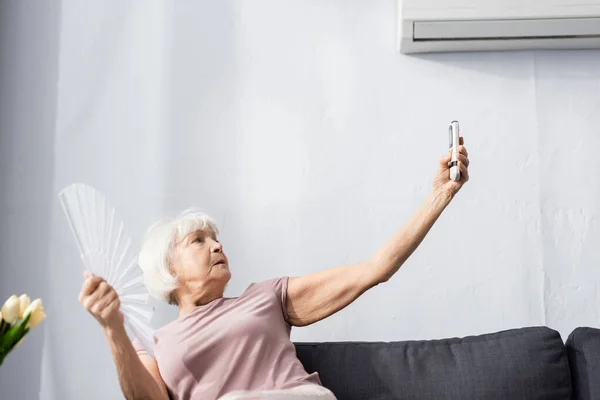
column 28, row 72
column 299, row 127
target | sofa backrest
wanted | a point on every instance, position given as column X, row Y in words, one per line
column 527, row 363
column 583, row 348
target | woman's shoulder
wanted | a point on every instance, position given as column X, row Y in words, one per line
column 277, row 285
column 275, row 288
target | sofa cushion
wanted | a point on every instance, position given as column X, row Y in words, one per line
column 583, row 348
column 527, row 363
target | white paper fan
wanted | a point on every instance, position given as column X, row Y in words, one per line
column 106, row 252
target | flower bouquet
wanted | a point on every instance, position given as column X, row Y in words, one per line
column 17, row 317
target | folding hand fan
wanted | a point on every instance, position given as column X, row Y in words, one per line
column 106, row 252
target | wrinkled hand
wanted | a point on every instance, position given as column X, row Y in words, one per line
column 101, row 300
column 442, row 184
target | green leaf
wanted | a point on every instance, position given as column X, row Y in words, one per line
column 14, row 334
column 17, row 342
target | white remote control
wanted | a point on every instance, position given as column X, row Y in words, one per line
column 454, row 134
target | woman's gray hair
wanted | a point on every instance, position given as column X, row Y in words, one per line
column 156, row 255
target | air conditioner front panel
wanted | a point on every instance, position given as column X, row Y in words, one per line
column 514, row 29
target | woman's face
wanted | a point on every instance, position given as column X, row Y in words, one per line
column 200, row 262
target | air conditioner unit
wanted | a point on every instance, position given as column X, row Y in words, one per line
column 426, row 26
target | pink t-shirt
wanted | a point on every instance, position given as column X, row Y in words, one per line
column 231, row 344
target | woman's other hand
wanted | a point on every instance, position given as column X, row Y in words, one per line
column 102, row 301
column 442, row 184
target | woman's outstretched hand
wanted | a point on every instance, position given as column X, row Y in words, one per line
column 442, row 184
column 102, row 301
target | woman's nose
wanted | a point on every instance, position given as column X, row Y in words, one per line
column 217, row 247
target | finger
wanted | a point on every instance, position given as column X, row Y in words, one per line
column 114, row 304
column 109, row 309
column 464, row 172
column 88, row 274
column 94, row 302
column 103, row 290
column 464, row 159
column 463, row 150
column 445, row 160
column 103, row 302
column 89, row 285
column 461, row 140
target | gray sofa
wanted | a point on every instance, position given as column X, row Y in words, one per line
column 528, row 363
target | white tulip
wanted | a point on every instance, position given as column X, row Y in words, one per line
column 37, row 313
column 10, row 309
column 25, row 301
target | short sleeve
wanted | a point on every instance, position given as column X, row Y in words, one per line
column 279, row 287
column 138, row 346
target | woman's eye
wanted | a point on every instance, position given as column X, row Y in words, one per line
column 199, row 239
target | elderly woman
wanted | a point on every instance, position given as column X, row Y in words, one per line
column 240, row 348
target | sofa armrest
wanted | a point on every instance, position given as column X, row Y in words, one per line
column 583, row 349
